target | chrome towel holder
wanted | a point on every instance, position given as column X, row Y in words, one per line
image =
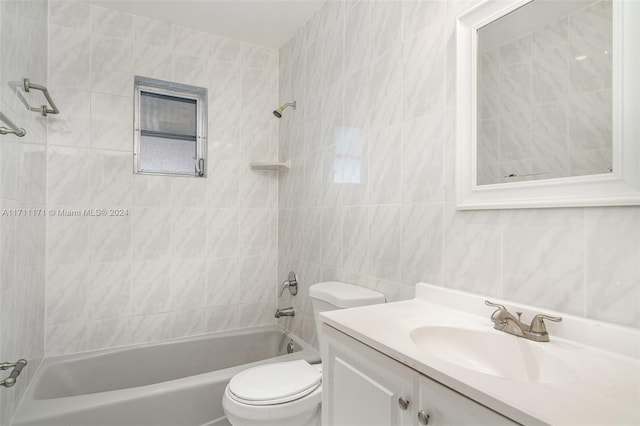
column 12, row 129
column 17, row 369
column 44, row 109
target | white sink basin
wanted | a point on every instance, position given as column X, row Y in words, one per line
column 498, row 354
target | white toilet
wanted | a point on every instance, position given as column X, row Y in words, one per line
column 290, row 393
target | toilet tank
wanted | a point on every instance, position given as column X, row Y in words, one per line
column 332, row 295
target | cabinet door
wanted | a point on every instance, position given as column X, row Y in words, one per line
column 362, row 386
column 447, row 407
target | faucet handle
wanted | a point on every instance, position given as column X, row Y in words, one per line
column 495, row 305
column 537, row 324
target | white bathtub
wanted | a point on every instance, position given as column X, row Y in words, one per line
column 175, row 383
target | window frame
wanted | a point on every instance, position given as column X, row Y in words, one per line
column 177, row 90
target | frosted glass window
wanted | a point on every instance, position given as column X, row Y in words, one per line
column 170, row 128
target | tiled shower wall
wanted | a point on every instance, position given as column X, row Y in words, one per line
column 370, row 198
column 23, row 53
column 561, row 124
column 192, row 255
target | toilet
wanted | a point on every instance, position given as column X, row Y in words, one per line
column 290, row 393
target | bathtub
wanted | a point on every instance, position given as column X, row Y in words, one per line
column 175, row 383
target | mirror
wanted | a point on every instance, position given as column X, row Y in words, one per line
column 547, row 96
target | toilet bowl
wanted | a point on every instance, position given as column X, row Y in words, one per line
column 290, row 393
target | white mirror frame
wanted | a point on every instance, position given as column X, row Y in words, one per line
column 622, row 187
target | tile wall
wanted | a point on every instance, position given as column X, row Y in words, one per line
column 23, row 53
column 561, row 124
column 192, row 255
column 370, row 198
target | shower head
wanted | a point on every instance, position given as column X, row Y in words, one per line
column 278, row 112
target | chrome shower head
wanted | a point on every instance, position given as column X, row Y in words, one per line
column 278, row 112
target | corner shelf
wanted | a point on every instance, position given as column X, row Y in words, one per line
column 268, row 166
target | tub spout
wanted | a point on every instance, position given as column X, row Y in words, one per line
column 285, row 312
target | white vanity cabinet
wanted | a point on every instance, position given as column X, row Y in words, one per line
column 362, row 386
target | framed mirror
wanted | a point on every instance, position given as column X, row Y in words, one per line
column 548, row 104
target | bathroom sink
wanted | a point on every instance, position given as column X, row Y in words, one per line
column 498, row 354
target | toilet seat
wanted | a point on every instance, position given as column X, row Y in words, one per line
column 276, row 383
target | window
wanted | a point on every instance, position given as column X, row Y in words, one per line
column 170, row 128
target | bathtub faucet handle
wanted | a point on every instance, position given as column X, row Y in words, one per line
column 291, row 283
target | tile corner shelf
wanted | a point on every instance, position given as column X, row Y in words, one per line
column 268, row 166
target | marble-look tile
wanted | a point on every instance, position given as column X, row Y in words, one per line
column 590, row 118
column 150, row 328
column 515, row 93
column 151, row 32
column 332, row 237
column 188, row 192
column 472, row 251
column 258, row 277
column 613, row 264
column 67, row 238
column 355, row 168
column 419, row 16
column 70, row 14
column 386, row 18
column 332, row 176
column 111, row 23
column 150, row 287
column 550, row 130
column 255, row 314
column 188, row 323
column 258, row 57
column 358, row 98
column 254, row 230
column 66, row 295
column 223, row 49
column 111, row 66
column 69, row 58
column 152, row 61
column 112, row 121
column 68, row 176
column 108, row 333
column 423, row 159
column 386, row 85
column 220, row 318
column 543, row 258
column 355, row 240
column 385, row 242
column 74, row 127
column 65, row 338
column 150, row 190
column 188, row 282
column 423, row 75
column 151, row 233
column 222, row 232
column 190, row 42
column 110, row 181
column 110, row 238
column 254, row 188
column 357, row 37
column 314, row 68
column 223, row 285
column 422, row 243
column 385, row 185
column 516, row 51
column 223, row 183
column 190, row 70
column 188, row 232
column 109, row 290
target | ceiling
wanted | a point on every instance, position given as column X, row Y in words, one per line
column 269, row 23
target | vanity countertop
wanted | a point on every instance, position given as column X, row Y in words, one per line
column 600, row 382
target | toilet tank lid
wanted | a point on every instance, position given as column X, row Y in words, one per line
column 345, row 295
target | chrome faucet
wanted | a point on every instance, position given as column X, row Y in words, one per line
column 285, row 312
column 503, row 320
column 291, row 283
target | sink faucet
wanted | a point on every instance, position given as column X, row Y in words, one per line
column 503, row 320
column 285, row 312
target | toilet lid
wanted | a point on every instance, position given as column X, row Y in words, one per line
column 275, row 383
